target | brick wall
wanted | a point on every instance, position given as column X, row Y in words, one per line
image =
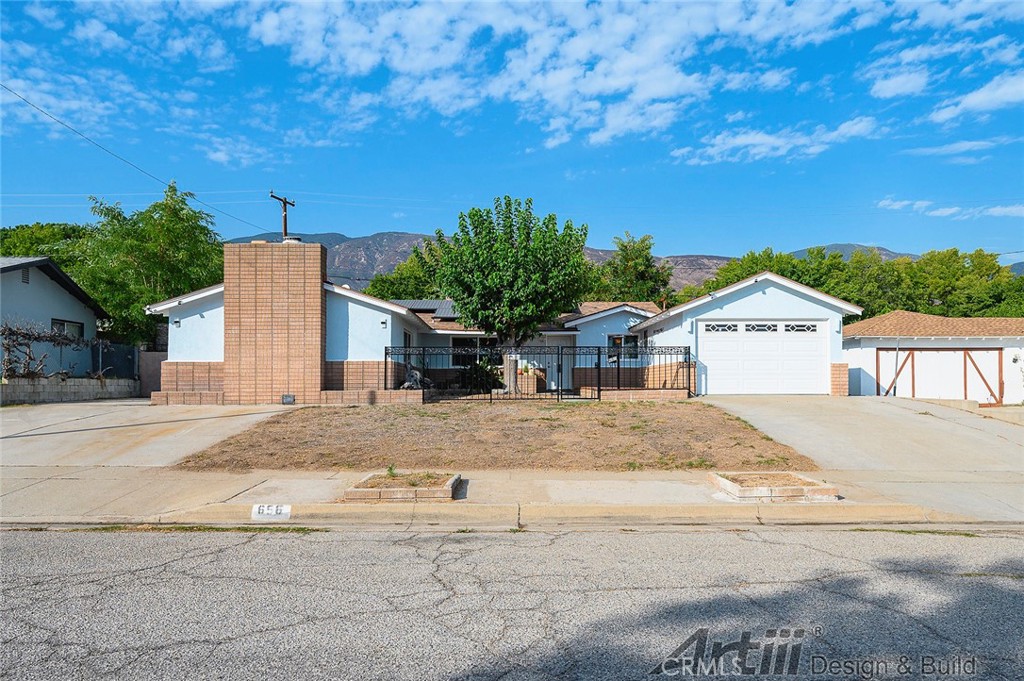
column 667, row 376
column 330, row 397
column 626, row 377
column 191, row 376
column 362, row 375
column 671, row 376
column 274, row 322
column 840, row 379
column 190, row 397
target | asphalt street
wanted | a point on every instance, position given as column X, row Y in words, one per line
column 528, row 605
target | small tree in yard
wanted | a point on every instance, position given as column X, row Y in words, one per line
column 508, row 271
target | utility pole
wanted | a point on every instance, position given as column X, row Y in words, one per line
column 284, row 212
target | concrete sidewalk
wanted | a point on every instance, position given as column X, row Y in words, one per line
column 48, row 495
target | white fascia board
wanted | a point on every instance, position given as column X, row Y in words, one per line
column 785, row 282
column 376, row 302
column 164, row 306
column 568, row 332
column 609, row 311
column 447, row 332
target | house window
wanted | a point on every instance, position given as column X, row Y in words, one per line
column 623, row 346
column 406, row 339
column 800, row 328
column 722, row 328
column 24, row 276
column 73, row 329
column 762, row 328
column 467, row 351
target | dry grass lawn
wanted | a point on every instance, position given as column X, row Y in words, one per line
column 608, row 436
column 605, row 436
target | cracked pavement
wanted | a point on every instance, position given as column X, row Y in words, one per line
column 530, row 605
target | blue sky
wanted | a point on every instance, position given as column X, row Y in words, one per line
column 718, row 128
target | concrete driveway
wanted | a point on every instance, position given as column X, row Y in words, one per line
column 116, row 432
column 902, row 450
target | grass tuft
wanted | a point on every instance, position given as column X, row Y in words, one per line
column 244, row 529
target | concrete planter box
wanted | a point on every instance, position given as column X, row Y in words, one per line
column 810, row 491
column 444, row 492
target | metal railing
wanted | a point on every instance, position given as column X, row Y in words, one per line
column 536, row 372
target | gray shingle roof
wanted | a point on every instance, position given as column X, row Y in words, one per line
column 441, row 309
column 8, row 262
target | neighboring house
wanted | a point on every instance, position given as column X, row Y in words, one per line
column 764, row 335
column 35, row 292
column 909, row 354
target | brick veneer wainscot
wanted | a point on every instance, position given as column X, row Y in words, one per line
column 840, row 379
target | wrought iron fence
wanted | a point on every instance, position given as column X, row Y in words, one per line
column 536, row 372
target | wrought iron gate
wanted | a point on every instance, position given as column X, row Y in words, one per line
column 536, row 372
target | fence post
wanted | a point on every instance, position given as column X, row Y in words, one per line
column 558, row 381
column 598, row 365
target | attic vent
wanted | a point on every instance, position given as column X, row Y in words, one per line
column 24, row 276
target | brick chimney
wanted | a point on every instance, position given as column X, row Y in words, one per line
column 274, row 322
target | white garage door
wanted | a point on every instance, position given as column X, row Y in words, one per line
column 765, row 357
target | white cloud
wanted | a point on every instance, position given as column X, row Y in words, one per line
column 96, row 33
column 943, row 212
column 753, row 145
column 45, row 14
column 737, row 116
column 768, row 80
column 1006, row 89
column 1014, row 211
column 210, row 51
column 955, row 212
column 960, row 147
column 900, row 84
column 578, row 71
column 894, row 205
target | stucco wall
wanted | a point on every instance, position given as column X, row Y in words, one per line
column 37, row 303
column 355, row 332
column 596, row 332
column 200, row 336
column 763, row 300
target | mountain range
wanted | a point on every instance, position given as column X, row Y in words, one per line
column 355, row 260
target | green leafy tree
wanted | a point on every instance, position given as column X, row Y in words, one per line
column 959, row 284
column 409, row 280
column 41, row 238
column 750, row 264
column 633, row 273
column 509, row 271
column 1010, row 294
column 877, row 285
column 132, row 260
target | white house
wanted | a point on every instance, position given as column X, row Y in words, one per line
column 766, row 334
column 909, row 354
column 35, row 292
column 286, row 330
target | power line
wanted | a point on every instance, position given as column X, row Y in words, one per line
column 119, row 157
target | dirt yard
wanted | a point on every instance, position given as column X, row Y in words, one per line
column 605, row 436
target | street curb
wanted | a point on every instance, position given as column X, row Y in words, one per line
column 748, row 513
column 419, row 515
